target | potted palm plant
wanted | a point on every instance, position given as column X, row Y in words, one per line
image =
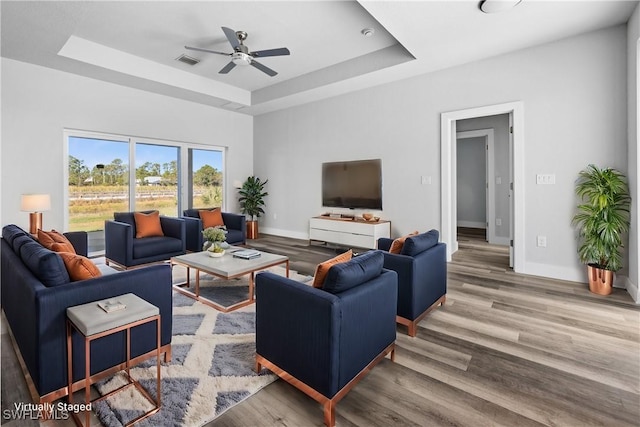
column 602, row 220
column 251, row 200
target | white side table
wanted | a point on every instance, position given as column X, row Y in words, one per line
column 93, row 322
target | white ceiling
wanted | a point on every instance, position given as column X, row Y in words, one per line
column 136, row 43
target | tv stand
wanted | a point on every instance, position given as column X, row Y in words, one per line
column 348, row 231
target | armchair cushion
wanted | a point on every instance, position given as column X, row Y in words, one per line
column 236, row 228
column 347, row 275
column 211, row 218
column 147, row 224
column 398, row 244
column 323, row 268
column 420, row 243
column 151, row 246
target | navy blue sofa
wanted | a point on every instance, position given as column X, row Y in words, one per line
column 125, row 250
column 36, row 292
column 323, row 341
column 422, row 276
column 236, row 229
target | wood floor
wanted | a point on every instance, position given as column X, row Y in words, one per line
column 506, row 350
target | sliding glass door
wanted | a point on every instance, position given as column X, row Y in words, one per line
column 157, row 178
column 98, row 183
column 101, row 181
column 206, row 178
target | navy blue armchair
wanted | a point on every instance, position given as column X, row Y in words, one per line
column 236, row 229
column 323, row 341
column 125, row 250
column 422, row 276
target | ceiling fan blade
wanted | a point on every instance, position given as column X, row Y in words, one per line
column 206, row 50
column 231, row 36
column 271, row 52
column 263, row 68
column 230, row 66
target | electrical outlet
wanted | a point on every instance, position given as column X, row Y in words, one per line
column 498, row 180
column 426, row 179
column 542, row 241
column 498, row 222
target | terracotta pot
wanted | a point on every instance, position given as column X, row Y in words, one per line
column 252, row 229
column 600, row 280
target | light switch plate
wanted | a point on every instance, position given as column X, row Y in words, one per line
column 546, row 179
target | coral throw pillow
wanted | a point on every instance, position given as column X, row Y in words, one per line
column 55, row 241
column 323, row 269
column 211, row 218
column 148, row 224
column 79, row 267
column 396, row 246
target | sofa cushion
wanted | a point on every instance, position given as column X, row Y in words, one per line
column 397, row 244
column 19, row 241
column 147, row 224
column 46, row 265
column 352, row 273
column 323, row 268
column 211, row 218
column 79, row 267
column 11, row 231
column 106, row 270
column 55, row 241
column 420, row 243
column 153, row 246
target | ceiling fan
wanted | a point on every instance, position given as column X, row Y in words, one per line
column 241, row 54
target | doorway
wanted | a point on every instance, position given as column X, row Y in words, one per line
column 474, row 180
column 515, row 178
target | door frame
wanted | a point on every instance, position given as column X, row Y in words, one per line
column 490, row 198
column 448, row 175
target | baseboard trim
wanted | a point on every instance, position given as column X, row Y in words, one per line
column 633, row 290
column 284, row 233
column 572, row 274
column 504, row 241
column 472, row 224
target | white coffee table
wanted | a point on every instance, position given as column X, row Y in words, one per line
column 225, row 267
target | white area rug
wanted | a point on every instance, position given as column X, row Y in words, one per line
column 211, row 368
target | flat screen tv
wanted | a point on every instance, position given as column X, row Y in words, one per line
column 353, row 184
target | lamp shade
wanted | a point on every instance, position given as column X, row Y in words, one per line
column 35, row 202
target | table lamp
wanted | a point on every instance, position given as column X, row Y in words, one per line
column 35, row 204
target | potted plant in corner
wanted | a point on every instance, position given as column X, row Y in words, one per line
column 251, row 201
column 602, row 220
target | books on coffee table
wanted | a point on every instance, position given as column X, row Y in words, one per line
column 246, row 254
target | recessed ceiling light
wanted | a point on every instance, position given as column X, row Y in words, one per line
column 496, row 6
column 368, row 32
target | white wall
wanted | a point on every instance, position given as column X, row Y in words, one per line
column 38, row 103
column 633, row 46
column 471, row 182
column 574, row 96
column 500, row 125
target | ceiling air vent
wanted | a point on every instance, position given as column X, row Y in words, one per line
column 187, row 59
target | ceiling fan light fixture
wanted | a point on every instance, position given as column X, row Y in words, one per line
column 241, row 58
column 497, row 6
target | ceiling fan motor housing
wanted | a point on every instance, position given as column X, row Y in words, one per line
column 241, row 58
